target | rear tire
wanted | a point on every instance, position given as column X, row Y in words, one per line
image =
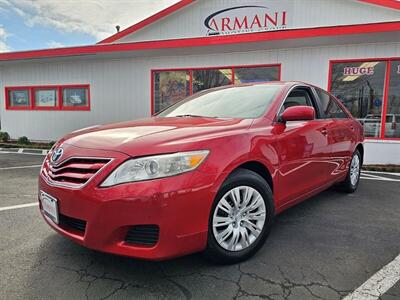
column 241, row 218
column 350, row 184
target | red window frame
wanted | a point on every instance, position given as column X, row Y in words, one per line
column 190, row 70
column 386, row 87
column 32, row 97
column 79, row 86
column 8, row 100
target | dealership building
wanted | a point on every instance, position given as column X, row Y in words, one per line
column 349, row 47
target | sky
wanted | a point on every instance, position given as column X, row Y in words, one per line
column 40, row 24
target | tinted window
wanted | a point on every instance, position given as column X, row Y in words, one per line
column 206, row 79
column 234, row 102
column 256, row 74
column 172, row 86
column 329, row 108
column 298, row 97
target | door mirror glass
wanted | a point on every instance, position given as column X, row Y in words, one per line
column 298, row 113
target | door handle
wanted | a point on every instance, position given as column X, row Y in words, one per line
column 324, row 131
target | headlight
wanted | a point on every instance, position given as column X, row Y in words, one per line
column 153, row 167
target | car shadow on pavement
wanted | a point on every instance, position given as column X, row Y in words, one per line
column 305, row 257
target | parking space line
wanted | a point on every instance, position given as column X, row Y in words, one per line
column 24, row 153
column 375, row 176
column 18, row 206
column 21, row 167
column 379, row 283
column 380, row 179
column 379, row 172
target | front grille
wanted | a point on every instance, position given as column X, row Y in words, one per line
column 73, row 172
column 72, row 223
column 143, row 235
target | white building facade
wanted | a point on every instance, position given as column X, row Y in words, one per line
column 349, row 47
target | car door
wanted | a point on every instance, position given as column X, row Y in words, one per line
column 303, row 150
column 341, row 134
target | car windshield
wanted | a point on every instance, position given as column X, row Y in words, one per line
column 247, row 102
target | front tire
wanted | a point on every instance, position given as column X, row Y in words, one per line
column 350, row 184
column 241, row 218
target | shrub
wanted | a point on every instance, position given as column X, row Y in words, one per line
column 51, row 143
column 23, row 140
column 4, row 136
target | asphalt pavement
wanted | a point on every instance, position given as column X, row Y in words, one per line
column 324, row 248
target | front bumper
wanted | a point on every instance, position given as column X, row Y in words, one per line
column 179, row 205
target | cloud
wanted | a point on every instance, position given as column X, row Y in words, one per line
column 3, row 37
column 97, row 18
column 54, row 44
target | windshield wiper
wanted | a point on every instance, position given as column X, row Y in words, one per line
column 189, row 116
column 195, row 116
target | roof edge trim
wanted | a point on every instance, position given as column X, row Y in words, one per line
column 205, row 41
column 385, row 3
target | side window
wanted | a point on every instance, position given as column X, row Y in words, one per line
column 329, row 108
column 298, row 97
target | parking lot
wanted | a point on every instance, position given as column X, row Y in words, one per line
column 324, row 248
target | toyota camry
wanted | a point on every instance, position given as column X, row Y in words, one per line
column 207, row 174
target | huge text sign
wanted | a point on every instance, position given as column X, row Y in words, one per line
column 248, row 18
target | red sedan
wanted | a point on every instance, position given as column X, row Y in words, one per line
column 208, row 173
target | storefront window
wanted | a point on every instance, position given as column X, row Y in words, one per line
column 206, row 79
column 46, row 97
column 19, row 98
column 392, row 129
column 170, row 87
column 73, row 97
column 360, row 86
column 256, row 74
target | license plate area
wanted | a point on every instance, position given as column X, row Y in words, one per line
column 49, row 206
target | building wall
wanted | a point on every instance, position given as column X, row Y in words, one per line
column 120, row 89
column 300, row 14
column 116, row 87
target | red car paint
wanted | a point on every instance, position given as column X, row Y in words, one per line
column 302, row 159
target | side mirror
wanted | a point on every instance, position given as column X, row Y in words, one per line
column 298, row 113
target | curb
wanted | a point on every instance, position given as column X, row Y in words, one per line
column 25, row 151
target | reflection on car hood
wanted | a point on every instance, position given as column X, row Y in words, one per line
column 153, row 135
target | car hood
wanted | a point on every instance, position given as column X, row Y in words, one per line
column 154, row 135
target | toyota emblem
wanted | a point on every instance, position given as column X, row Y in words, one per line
column 57, row 154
